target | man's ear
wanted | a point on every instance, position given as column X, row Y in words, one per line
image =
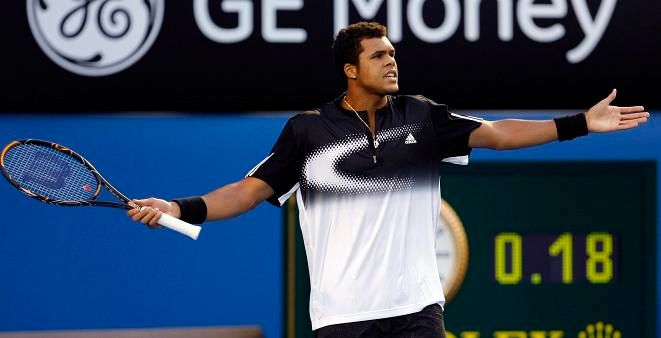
column 351, row 71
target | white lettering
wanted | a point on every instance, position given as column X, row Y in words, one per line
column 367, row 10
column 243, row 8
column 395, row 20
column 440, row 33
column 270, row 29
column 527, row 11
column 593, row 30
column 472, row 21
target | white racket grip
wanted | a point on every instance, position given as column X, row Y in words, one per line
column 180, row 226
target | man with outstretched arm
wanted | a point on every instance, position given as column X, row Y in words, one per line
column 365, row 170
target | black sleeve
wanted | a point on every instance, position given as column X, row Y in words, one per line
column 452, row 133
column 282, row 167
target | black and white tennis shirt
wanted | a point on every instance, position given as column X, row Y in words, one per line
column 368, row 209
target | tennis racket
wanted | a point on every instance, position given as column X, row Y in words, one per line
column 57, row 175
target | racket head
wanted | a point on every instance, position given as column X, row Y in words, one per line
column 51, row 173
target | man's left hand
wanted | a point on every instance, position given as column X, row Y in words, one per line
column 603, row 117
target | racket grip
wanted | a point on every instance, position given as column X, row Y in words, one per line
column 180, row 226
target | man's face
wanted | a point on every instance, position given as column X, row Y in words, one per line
column 377, row 69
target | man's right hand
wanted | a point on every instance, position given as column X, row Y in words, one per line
column 150, row 210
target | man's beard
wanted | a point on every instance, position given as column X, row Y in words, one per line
column 388, row 91
column 393, row 91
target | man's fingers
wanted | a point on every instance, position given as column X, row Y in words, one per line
column 149, row 216
column 141, row 213
column 153, row 222
column 627, row 125
column 636, row 121
column 135, row 204
column 611, row 96
column 145, row 202
column 634, row 116
column 146, row 211
column 634, row 109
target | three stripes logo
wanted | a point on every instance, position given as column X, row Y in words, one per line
column 410, row 139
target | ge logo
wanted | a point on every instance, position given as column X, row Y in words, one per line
column 95, row 37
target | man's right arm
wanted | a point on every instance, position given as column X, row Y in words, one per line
column 236, row 198
column 223, row 203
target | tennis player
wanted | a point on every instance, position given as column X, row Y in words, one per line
column 365, row 170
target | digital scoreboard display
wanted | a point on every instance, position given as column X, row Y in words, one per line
column 548, row 250
column 556, row 258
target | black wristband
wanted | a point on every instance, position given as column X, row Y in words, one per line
column 193, row 209
column 571, row 126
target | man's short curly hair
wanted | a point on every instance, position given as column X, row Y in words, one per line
column 346, row 46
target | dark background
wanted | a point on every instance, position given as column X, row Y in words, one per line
column 185, row 71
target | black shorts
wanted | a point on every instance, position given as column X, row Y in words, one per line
column 427, row 323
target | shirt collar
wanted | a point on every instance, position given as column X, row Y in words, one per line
column 363, row 113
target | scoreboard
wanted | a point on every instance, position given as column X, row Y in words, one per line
column 544, row 250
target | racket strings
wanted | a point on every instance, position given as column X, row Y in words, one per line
column 50, row 173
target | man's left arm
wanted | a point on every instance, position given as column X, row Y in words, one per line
column 513, row 133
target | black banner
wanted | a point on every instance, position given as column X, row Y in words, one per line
column 241, row 55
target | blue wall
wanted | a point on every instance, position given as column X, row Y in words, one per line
column 72, row 268
column 64, row 268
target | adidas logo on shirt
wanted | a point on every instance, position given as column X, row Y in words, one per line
column 410, row 139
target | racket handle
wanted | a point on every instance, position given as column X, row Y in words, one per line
column 180, row 226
